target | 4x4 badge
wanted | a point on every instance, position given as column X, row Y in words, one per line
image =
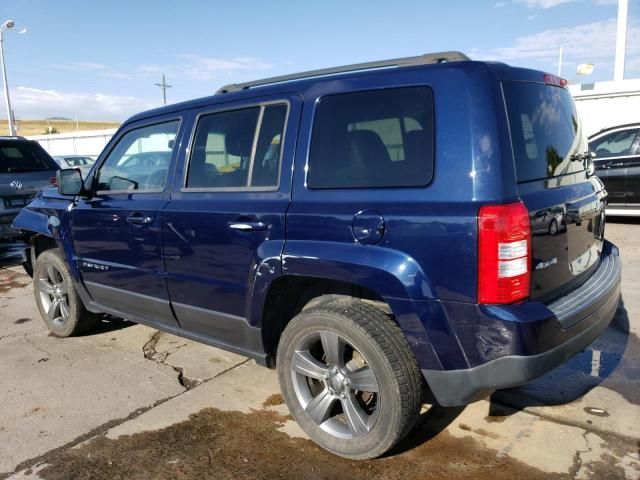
column 16, row 185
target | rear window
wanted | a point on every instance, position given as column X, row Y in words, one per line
column 373, row 139
column 18, row 157
column 545, row 130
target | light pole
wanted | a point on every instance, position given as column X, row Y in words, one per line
column 6, row 26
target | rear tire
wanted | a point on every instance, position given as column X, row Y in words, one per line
column 349, row 378
column 59, row 304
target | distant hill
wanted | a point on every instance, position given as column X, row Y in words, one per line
column 39, row 127
column 65, row 119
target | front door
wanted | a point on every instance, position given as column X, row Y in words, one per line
column 117, row 232
column 225, row 224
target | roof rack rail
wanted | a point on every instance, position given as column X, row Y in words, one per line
column 428, row 58
column 12, row 137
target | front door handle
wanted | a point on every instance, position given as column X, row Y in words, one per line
column 248, row 226
column 137, row 219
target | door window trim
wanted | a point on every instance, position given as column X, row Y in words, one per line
column 223, row 109
column 121, row 135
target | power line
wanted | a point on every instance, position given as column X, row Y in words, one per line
column 164, row 85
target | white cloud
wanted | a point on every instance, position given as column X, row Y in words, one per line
column 590, row 43
column 544, row 3
column 37, row 103
column 93, row 69
column 593, row 42
column 206, row 68
column 80, row 66
column 501, row 4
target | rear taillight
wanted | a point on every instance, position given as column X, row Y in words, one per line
column 53, row 181
column 504, row 253
column 554, row 80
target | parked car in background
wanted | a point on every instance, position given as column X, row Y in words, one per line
column 25, row 169
column 66, row 161
column 81, row 162
column 617, row 163
column 369, row 232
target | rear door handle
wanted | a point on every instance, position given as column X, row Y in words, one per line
column 248, row 226
column 138, row 219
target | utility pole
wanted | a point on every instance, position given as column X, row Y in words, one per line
column 560, row 61
column 621, row 40
column 164, row 87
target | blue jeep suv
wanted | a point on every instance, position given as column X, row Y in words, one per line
column 379, row 233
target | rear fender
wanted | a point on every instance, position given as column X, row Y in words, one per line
column 395, row 277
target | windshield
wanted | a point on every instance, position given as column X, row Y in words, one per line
column 16, row 157
column 545, row 130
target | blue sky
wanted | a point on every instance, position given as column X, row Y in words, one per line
column 101, row 59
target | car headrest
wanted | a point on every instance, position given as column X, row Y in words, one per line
column 239, row 141
column 366, row 147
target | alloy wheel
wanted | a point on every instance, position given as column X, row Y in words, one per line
column 335, row 385
column 53, row 293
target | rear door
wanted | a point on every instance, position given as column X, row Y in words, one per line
column 225, row 223
column 615, row 153
column 565, row 205
column 117, row 233
column 25, row 169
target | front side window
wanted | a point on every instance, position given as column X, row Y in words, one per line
column 615, row 144
column 140, row 159
column 238, row 148
column 373, row 139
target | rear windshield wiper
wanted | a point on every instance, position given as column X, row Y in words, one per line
column 581, row 157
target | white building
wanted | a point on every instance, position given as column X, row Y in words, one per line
column 607, row 104
column 90, row 142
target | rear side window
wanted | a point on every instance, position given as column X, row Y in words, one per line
column 238, row 149
column 373, row 139
column 545, row 130
column 18, row 157
column 615, row 144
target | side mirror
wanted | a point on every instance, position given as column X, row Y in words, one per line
column 70, row 181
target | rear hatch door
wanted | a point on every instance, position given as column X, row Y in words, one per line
column 566, row 204
column 25, row 169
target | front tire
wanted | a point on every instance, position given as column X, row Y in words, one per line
column 58, row 301
column 349, row 378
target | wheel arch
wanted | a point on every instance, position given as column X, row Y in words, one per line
column 389, row 278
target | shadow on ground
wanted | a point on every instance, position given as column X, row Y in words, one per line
column 612, row 360
column 109, row 324
column 11, row 253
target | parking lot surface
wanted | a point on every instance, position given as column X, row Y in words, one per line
column 131, row 402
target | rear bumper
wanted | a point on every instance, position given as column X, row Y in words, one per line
column 581, row 317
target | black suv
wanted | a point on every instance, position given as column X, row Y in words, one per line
column 25, row 169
